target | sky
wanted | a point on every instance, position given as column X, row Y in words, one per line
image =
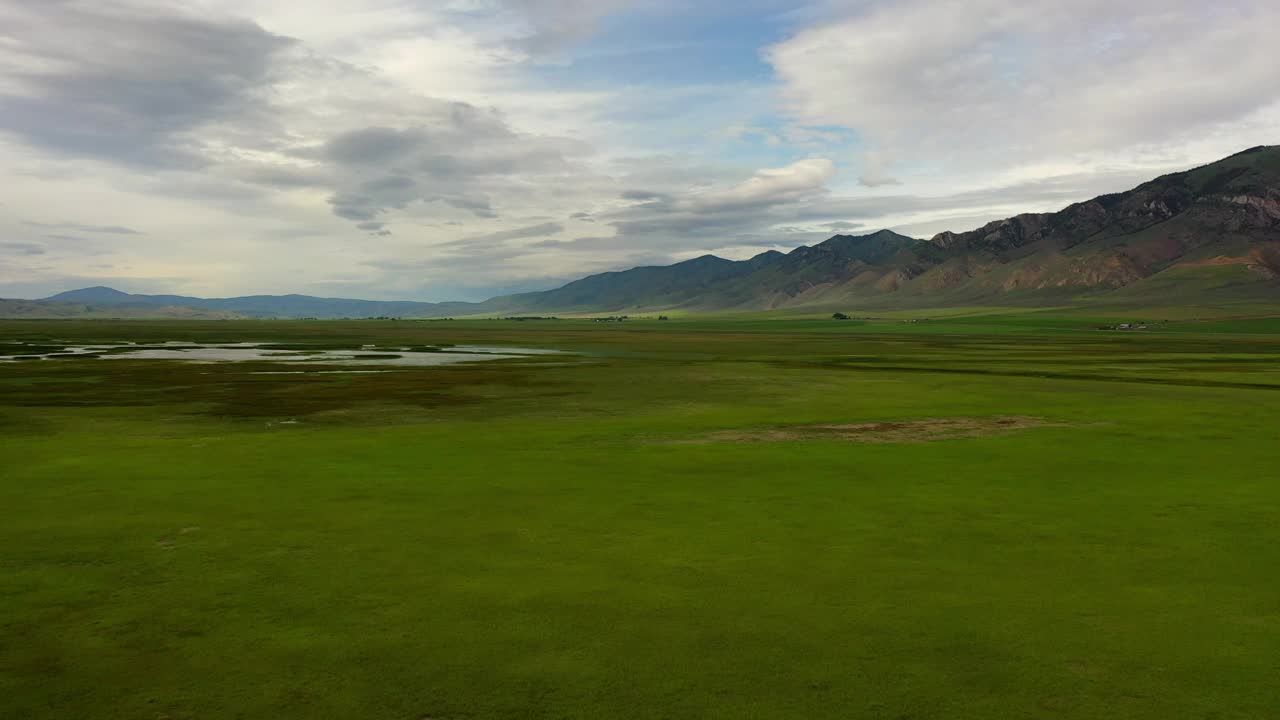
column 460, row 149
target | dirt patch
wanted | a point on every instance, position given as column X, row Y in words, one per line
column 1084, row 669
column 904, row 431
column 170, row 540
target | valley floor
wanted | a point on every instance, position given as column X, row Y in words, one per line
column 978, row 516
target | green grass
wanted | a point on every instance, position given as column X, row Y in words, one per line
column 548, row 539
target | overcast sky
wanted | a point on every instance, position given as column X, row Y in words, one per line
column 456, row 149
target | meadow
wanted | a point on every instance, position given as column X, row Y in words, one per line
column 971, row 514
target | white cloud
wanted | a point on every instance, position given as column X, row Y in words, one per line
column 771, row 186
column 552, row 25
column 234, row 146
column 999, row 83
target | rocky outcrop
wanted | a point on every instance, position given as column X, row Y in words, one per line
column 1267, row 207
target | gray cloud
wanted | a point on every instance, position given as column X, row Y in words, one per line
column 842, row 225
column 354, row 207
column 389, row 184
column 284, row 178
column 690, row 223
column 479, row 251
column 376, row 146
column 72, row 245
column 80, row 227
column 716, row 217
column 476, row 254
column 532, row 231
column 610, row 243
column 182, row 90
column 128, row 84
column 644, row 195
column 478, row 206
column 460, row 156
column 553, row 25
column 1051, row 192
column 20, row 248
column 274, row 129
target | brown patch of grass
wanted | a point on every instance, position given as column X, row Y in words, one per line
column 1084, row 669
column 904, row 431
column 236, row 391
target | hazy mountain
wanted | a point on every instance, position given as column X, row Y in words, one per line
column 1211, row 232
column 264, row 305
column 45, row 309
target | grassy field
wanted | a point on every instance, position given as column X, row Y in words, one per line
column 999, row 515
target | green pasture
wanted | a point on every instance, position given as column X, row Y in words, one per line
column 572, row 536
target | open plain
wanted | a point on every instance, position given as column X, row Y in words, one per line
column 979, row 514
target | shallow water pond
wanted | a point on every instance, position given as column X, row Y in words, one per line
column 242, row 352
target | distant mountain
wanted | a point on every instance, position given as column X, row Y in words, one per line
column 1208, row 233
column 649, row 287
column 45, row 309
column 294, row 306
column 96, row 294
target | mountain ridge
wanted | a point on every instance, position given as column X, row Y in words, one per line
column 291, row 305
column 1215, row 228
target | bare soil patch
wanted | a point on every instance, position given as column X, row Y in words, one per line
column 903, row 431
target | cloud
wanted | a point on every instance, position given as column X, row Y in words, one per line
column 128, row 84
column 875, row 171
column 532, row 231
column 785, row 209
column 81, row 227
column 661, row 219
column 282, row 178
column 481, row 251
column 355, row 207
column 488, row 133
column 875, row 180
column 771, row 186
column 478, row 206
column 998, row 82
column 458, row 154
column 255, row 112
column 20, row 248
column 373, row 146
column 550, row 26
column 644, row 195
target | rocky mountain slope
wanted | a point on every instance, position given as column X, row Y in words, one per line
column 1213, row 230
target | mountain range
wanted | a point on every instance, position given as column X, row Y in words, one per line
column 1210, row 232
